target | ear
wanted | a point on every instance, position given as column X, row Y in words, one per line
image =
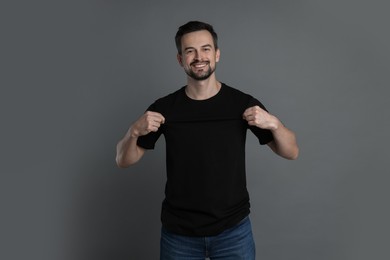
column 217, row 55
column 178, row 57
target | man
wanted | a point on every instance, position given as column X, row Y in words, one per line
column 206, row 206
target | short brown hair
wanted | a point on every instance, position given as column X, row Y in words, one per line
column 194, row 26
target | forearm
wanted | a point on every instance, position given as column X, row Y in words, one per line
column 127, row 151
column 284, row 143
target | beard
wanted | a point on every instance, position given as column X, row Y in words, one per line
column 200, row 76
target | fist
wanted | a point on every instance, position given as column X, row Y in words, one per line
column 148, row 122
column 256, row 116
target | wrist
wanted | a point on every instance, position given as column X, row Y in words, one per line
column 276, row 124
column 132, row 133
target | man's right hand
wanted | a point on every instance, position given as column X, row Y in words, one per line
column 148, row 122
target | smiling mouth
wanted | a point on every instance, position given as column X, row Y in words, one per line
column 199, row 65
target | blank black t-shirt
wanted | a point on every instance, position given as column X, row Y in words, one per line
column 206, row 191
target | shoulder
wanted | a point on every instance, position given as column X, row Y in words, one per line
column 235, row 91
column 169, row 98
column 236, row 95
column 162, row 103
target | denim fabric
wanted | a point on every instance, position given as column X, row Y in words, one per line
column 235, row 243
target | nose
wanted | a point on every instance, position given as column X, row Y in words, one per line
column 198, row 56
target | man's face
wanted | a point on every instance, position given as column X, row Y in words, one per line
column 199, row 56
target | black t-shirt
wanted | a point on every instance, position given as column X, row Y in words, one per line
column 206, row 190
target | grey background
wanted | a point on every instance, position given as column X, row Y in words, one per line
column 75, row 75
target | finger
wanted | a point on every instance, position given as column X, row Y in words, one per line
column 246, row 115
column 153, row 127
column 156, row 116
column 159, row 120
column 155, row 123
column 249, row 117
column 162, row 118
column 246, row 112
column 249, row 111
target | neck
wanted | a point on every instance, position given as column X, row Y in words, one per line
column 204, row 89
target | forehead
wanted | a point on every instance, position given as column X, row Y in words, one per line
column 197, row 39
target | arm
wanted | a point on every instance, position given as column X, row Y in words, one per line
column 127, row 150
column 284, row 143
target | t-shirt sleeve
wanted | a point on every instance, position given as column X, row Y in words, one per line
column 263, row 135
column 149, row 141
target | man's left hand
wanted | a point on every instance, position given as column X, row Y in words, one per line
column 257, row 116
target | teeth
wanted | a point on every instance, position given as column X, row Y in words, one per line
column 200, row 65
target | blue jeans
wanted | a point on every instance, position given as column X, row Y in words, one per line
column 235, row 243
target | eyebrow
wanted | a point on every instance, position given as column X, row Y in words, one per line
column 203, row 46
column 207, row 45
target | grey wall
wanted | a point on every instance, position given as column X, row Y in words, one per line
column 74, row 76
